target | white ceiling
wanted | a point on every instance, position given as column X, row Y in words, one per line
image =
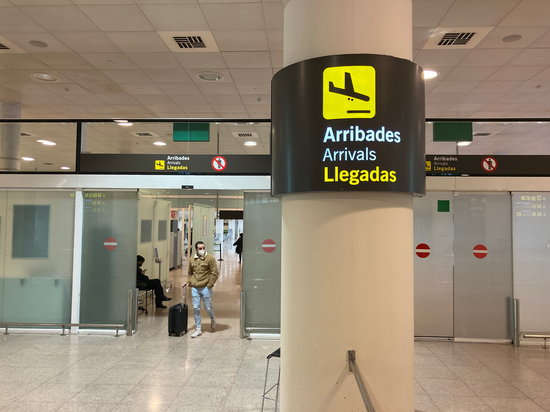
column 111, row 61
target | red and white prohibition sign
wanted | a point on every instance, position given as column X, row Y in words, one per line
column 489, row 164
column 480, row 251
column 423, row 250
column 219, row 163
column 110, row 243
column 269, row 245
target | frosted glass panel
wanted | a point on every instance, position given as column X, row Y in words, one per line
column 36, row 260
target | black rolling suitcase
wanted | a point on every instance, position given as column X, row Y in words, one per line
column 177, row 317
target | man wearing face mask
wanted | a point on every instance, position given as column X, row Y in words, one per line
column 202, row 274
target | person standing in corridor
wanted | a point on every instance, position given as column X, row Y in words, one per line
column 202, row 274
column 239, row 246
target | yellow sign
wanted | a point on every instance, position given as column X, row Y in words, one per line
column 160, row 165
column 428, row 165
column 349, row 92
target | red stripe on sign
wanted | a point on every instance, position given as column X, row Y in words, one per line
column 480, row 251
column 422, row 250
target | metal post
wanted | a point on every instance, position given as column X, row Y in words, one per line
column 221, row 257
column 362, row 389
column 243, row 317
column 135, row 310
column 129, row 328
column 514, row 320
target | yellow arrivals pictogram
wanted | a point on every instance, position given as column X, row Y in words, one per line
column 349, row 92
column 160, row 165
column 428, row 165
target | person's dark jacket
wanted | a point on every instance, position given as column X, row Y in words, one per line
column 239, row 244
column 142, row 281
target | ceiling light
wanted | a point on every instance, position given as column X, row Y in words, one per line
column 159, row 143
column 27, row 159
column 38, row 43
column 464, row 143
column 210, row 76
column 125, row 124
column 250, row 143
column 44, row 77
column 46, row 142
column 512, row 38
column 429, row 74
column 65, row 168
column 121, row 121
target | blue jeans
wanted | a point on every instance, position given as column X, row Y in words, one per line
column 206, row 295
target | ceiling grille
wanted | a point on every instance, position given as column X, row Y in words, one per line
column 447, row 38
column 189, row 41
column 451, row 39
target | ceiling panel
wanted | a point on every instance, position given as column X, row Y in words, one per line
column 88, row 42
column 175, row 16
column 241, row 40
column 61, row 18
column 489, row 57
column 471, row 73
column 202, row 60
column 117, row 17
column 477, row 13
column 532, row 57
column 240, row 60
column 177, row 75
column 63, row 60
column 511, row 73
column 109, row 61
column 529, row 13
column 138, row 42
column 14, row 20
column 528, row 35
column 247, row 16
column 154, row 60
column 128, row 76
column 428, row 13
column 20, row 61
column 22, row 40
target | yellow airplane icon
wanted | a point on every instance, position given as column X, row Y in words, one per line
column 357, row 97
column 160, row 165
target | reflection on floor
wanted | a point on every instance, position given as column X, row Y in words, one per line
column 221, row 372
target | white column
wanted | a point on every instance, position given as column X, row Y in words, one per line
column 9, row 137
column 77, row 258
column 347, row 258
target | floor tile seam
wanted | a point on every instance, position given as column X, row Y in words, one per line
column 481, row 398
column 228, row 393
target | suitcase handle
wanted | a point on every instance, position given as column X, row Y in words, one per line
column 184, row 292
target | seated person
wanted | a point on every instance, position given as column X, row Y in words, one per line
column 144, row 283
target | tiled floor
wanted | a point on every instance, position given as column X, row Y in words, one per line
column 221, row 372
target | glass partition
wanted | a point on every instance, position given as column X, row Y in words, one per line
column 109, row 251
column 38, row 147
column 36, row 239
column 496, row 138
column 176, row 138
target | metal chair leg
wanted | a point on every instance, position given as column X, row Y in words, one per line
column 277, row 395
column 265, row 383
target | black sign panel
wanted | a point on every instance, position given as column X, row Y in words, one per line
column 347, row 123
column 178, row 164
column 487, row 165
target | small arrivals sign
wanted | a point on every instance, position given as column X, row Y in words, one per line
column 348, row 123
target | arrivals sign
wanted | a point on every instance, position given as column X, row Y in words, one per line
column 348, row 123
column 181, row 164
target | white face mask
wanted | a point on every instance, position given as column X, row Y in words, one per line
column 201, row 252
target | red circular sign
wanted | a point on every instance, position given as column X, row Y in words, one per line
column 110, row 243
column 219, row 163
column 480, row 251
column 422, row 250
column 489, row 164
column 269, row 245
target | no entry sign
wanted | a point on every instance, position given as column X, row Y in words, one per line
column 489, row 164
column 480, row 251
column 110, row 243
column 269, row 245
column 219, row 163
column 422, row 250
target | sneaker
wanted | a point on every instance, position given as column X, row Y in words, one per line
column 196, row 334
column 213, row 324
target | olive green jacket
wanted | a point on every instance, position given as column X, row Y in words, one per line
column 202, row 271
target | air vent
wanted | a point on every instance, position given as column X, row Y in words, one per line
column 245, row 135
column 482, row 134
column 145, row 134
column 189, row 41
column 445, row 38
column 25, row 134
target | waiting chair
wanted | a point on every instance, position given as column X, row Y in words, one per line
column 265, row 395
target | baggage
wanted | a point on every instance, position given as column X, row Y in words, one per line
column 177, row 317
